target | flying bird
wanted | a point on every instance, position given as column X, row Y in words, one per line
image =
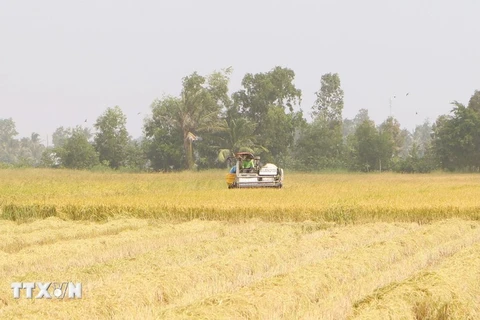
column 138, row 113
column 407, row 94
column 85, row 120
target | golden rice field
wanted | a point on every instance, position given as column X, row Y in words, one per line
column 183, row 246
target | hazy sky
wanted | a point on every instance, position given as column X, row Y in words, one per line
column 62, row 62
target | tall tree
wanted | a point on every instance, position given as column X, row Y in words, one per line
column 321, row 143
column 163, row 143
column 77, row 152
column 329, row 103
column 361, row 117
column 474, row 102
column 315, row 150
column 392, row 131
column 30, row 150
column 350, row 125
column 268, row 100
column 422, row 137
column 238, row 135
column 369, row 149
column 407, row 143
column 366, row 146
column 457, row 139
column 111, row 139
column 195, row 113
column 8, row 144
column 60, row 136
column 263, row 90
column 135, row 155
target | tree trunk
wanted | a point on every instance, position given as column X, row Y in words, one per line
column 187, row 146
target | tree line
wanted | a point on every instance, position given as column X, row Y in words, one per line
column 204, row 125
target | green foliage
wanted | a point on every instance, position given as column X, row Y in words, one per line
column 474, row 102
column 77, row 152
column 111, row 139
column 50, row 158
column 320, row 145
column 163, row 142
column 203, row 126
column 369, row 149
column 422, row 137
column 195, row 113
column 278, row 133
column 390, row 130
column 329, row 103
column 318, row 148
column 239, row 134
column 8, row 144
column 366, row 146
column 60, row 136
column 264, row 101
column 457, row 137
column 263, row 90
column 7, row 130
column 413, row 163
column 135, row 158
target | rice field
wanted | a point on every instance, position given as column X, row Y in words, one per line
column 183, row 246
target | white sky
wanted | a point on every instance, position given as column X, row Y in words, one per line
column 62, row 62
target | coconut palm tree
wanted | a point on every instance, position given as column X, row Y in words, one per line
column 197, row 110
column 239, row 136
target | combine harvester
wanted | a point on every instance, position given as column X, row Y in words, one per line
column 253, row 175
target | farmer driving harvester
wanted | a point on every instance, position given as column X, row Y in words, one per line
column 249, row 173
column 245, row 161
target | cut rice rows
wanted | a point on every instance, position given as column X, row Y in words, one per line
column 133, row 268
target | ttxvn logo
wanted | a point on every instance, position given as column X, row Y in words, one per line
column 47, row 290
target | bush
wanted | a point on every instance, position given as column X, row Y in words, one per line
column 414, row 165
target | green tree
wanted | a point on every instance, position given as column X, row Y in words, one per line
column 315, row 150
column 30, row 150
column 263, row 90
column 457, row 139
column 371, row 149
column 112, row 137
column 329, row 103
column 238, row 135
column 366, row 146
column 324, row 137
column 391, row 143
column 163, row 143
column 8, row 144
column 391, row 128
column 195, row 113
column 349, row 127
column 78, row 152
column 268, row 100
column 422, row 137
column 474, row 102
column 60, row 136
column 135, row 156
column 361, row 117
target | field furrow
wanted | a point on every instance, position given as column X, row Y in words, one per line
column 449, row 291
column 182, row 272
column 183, row 246
column 308, row 291
column 246, row 261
